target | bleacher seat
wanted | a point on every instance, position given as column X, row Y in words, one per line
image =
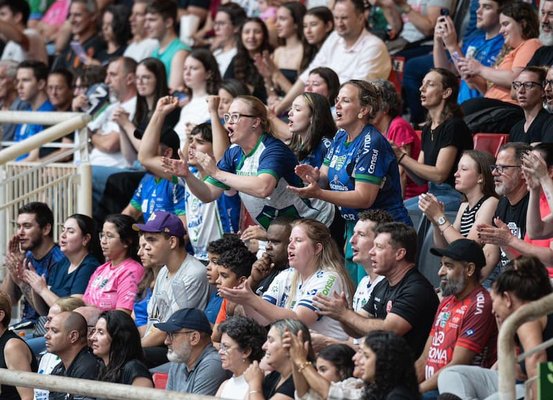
column 490, row 142
column 160, row 380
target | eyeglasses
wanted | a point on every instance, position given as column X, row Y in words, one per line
column 220, row 23
column 171, row 335
column 501, row 168
column 527, row 85
column 107, row 236
column 225, row 349
column 145, row 78
column 235, row 117
column 548, row 82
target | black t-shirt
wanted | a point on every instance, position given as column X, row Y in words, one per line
column 68, row 59
column 413, row 299
column 269, row 385
column 132, row 370
column 453, row 132
column 543, row 57
column 515, row 218
column 537, row 130
column 84, row 366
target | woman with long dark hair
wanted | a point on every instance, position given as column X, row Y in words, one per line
column 114, row 284
column 116, row 342
column 253, row 40
column 79, row 243
column 201, row 78
column 444, row 138
column 228, row 20
column 151, row 85
column 116, row 32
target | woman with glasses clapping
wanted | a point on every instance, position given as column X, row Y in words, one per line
column 114, row 284
column 259, row 167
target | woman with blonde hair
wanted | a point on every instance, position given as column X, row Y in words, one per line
column 316, row 267
column 260, row 167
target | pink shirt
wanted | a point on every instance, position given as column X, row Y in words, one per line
column 402, row 133
column 114, row 287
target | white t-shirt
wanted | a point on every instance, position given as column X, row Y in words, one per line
column 187, row 288
column 236, row 388
column 203, row 221
column 103, row 125
column 47, row 363
column 363, row 292
column 37, row 49
column 195, row 112
column 224, row 58
column 138, row 51
column 322, row 282
column 367, row 59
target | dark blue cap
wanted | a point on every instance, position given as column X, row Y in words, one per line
column 190, row 318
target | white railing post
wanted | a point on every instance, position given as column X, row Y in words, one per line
column 506, row 344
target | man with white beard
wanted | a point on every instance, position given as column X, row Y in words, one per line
column 544, row 55
column 195, row 363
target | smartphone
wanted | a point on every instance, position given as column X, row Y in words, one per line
column 180, row 95
column 79, row 51
column 444, row 12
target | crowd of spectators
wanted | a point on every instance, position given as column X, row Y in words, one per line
column 257, row 169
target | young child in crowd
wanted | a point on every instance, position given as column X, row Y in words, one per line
column 234, row 267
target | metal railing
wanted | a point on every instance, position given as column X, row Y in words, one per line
column 65, row 187
column 91, row 388
column 506, row 344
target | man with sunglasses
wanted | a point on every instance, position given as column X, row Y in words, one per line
column 195, row 363
column 529, row 92
column 510, row 214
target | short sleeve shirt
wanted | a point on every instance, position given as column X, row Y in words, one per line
column 536, row 131
column 369, row 159
column 134, row 369
column 516, row 58
column 272, row 156
column 413, row 299
column 187, row 288
column 158, row 194
column 467, row 323
column 65, row 284
column 110, row 288
column 84, row 366
column 322, row 282
column 453, row 132
column 514, row 217
column 363, row 291
column 483, row 50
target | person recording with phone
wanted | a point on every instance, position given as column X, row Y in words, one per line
column 483, row 46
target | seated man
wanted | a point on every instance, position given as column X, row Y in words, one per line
column 405, row 302
column 66, row 337
column 195, row 363
column 464, row 330
column 31, row 84
column 14, row 353
column 181, row 282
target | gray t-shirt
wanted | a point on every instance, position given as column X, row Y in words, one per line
column 205, row 378
column 187, row 288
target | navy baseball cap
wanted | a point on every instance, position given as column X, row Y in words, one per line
column 162, row 222
column 190, row 318
column 463, row 250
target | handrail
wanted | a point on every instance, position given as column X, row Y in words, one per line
column 506, row 343
column 34, row 117
column 91, row 388
column 61, row 129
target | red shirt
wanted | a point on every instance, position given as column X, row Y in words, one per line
column 467, row 323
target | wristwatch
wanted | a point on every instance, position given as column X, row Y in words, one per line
column 441, row 220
